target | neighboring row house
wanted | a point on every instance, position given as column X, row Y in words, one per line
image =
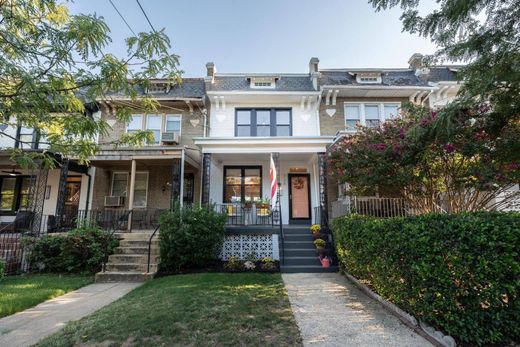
column 215, row 138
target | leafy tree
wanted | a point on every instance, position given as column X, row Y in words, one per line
column 407, row 158
column 485, row 34
column 54, row 67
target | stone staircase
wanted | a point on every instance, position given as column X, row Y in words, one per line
column 300, row 253
column 130, row 261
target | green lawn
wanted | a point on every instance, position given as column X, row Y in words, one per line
column 209, row 309
column 20, row 292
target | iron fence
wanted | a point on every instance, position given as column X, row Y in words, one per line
column 254, row 214
column 370, row 206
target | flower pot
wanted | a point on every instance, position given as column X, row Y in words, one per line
column 318, row 236
column 325, row 262
column 321, row 250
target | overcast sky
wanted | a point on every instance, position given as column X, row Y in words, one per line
column 266, row 35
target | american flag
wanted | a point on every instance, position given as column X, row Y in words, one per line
column 274, row 182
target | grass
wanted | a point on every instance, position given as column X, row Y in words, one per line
column 208, row 309
column 18, row 293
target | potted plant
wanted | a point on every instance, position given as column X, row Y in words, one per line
column 316, row 232
column 325, row 261
column 263, row 203
column 320, row 246
column 248, row 203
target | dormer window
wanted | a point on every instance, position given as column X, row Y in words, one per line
column 263, row 82
column 368, row 77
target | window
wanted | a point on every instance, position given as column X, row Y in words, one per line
column 372, row 115
column 352, row 116
column 120, row 185
column 141, row 189
column 263, row 122
column 14, row 193
column 243, row 123
column 26, row 138
column 173, row 124
column 154, row 123
column 136, row 123
column 242, row 183
column 369, row 114
column 390, row 111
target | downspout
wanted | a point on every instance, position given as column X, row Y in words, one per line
column 181, row 190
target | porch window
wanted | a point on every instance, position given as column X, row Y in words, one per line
column 120, row 185
column 263, row 122
column 242, row 183
column 14, row 193
column 153, row 123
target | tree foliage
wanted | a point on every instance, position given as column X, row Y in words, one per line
column 460, row 170
column 485, row 34
column 54, row 67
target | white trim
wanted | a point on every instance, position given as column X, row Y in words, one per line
column 262, row 92
column 178, row 115
column 369, row 86
column 362, row 114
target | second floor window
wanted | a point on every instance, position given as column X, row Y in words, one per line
column 263, row 122
column 157, row 123
column 369, row 114
column 154, row 123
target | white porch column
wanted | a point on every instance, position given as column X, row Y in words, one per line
column 131, row 193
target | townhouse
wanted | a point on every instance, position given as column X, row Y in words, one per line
column 215, row 138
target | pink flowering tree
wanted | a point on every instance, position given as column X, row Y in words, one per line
column 460, row 161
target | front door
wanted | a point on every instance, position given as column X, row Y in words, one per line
column 299, row 198
column 72, row 195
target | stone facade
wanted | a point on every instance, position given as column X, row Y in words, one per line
column 330, row 125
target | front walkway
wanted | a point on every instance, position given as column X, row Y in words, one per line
column 331, row 311
column 28, row 327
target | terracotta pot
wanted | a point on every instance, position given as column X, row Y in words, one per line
column 325, row 262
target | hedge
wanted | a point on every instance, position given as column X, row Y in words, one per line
column 81, row 250
column 190, row 238
column 457, row 272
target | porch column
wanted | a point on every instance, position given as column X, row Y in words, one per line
column 206, row 173
column 322, row 167
column 38, row 187
column 62, row 187
column 176, row 182
column 131, row 194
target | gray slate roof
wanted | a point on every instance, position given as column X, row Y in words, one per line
column 404, row 77
column 189, row 88
column 288, row 83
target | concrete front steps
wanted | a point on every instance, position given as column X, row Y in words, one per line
column 129, row 263
column 299, row 252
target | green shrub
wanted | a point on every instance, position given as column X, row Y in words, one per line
column 190, row 237
column 2, row 268
column 458, row 272
column 81, row 250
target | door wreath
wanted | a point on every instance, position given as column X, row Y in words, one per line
column 298, row 183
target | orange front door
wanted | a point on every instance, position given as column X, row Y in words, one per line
column 299, row 197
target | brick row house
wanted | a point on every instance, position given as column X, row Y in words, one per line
column 216, row 140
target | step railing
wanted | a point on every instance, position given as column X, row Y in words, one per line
column 150, row 247
column 117, row 226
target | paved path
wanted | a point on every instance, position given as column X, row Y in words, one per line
column 28, row 327
column 331, row 311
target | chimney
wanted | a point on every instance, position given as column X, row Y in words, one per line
column 416, row 61
column 211, row 70
column 314, row 71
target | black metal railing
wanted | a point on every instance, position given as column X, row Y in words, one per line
column 11, row 248
column 150, row 247
column 250, row 214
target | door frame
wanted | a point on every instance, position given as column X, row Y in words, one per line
column 300, row 220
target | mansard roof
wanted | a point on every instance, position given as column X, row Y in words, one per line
column 189, row 88
column 241, row 82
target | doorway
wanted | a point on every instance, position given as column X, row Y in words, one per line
column 299, row 199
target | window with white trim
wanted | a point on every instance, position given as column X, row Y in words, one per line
column 136, row 123
column 119, row 184
column 173, row 123
column 154, row 123
column 370, row 114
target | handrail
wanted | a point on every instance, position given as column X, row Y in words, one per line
column 279, row 203
column 150, row 247
column 117, row 225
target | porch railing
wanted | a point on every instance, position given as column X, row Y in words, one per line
column 370, row 206
column 254, row 214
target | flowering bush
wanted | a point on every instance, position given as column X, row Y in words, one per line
column 460, row 158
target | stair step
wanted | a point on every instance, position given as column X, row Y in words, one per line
column 137, row 243
column 289, row 261
column 298, row 245
column 137, row 250
column 299, row 252
column 132, row 258
column 307, row 269
column 298, row 237
column 114, row 276
column 130, row 267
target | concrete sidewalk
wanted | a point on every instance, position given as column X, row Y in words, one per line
column 330, row 311
column 28, row 327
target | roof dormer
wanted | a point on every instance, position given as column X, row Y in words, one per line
column 263, row 82
column 368, row 77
